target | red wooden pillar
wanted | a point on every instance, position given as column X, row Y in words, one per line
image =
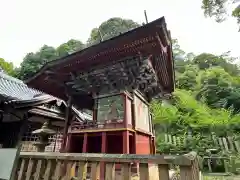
column 103, row 150
column 125, row 142
column 135, row 142
column 104, row 142
column 84, row 148
column 135, row 166
column 125, row 111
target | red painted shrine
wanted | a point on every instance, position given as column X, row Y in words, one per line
column 116, row 79
column 114, row 129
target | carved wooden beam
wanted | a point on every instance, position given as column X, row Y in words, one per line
column 135, row 73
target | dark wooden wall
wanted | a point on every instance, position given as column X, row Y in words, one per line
column 9, row 134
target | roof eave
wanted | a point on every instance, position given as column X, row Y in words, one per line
column 63, row 59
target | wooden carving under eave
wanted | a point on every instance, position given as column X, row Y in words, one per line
column 130, row 73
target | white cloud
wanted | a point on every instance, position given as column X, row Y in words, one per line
column 26, row 25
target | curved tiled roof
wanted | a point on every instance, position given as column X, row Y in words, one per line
column 14, row 89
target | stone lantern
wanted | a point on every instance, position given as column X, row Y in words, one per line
column 43, row 133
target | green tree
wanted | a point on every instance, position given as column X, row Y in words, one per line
column 178, row 53
column 187, row 79
column 7, row 67
column 108, row 29
column 111, row 28
column 216, row 84
column 213, row 79
column 186, row 111
column 70, row 47
column 218, row 9
column 32, row 62
column 181, row 59
column 206, row 60
column 206, row 83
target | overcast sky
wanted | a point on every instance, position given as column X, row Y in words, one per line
column 26, row 25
